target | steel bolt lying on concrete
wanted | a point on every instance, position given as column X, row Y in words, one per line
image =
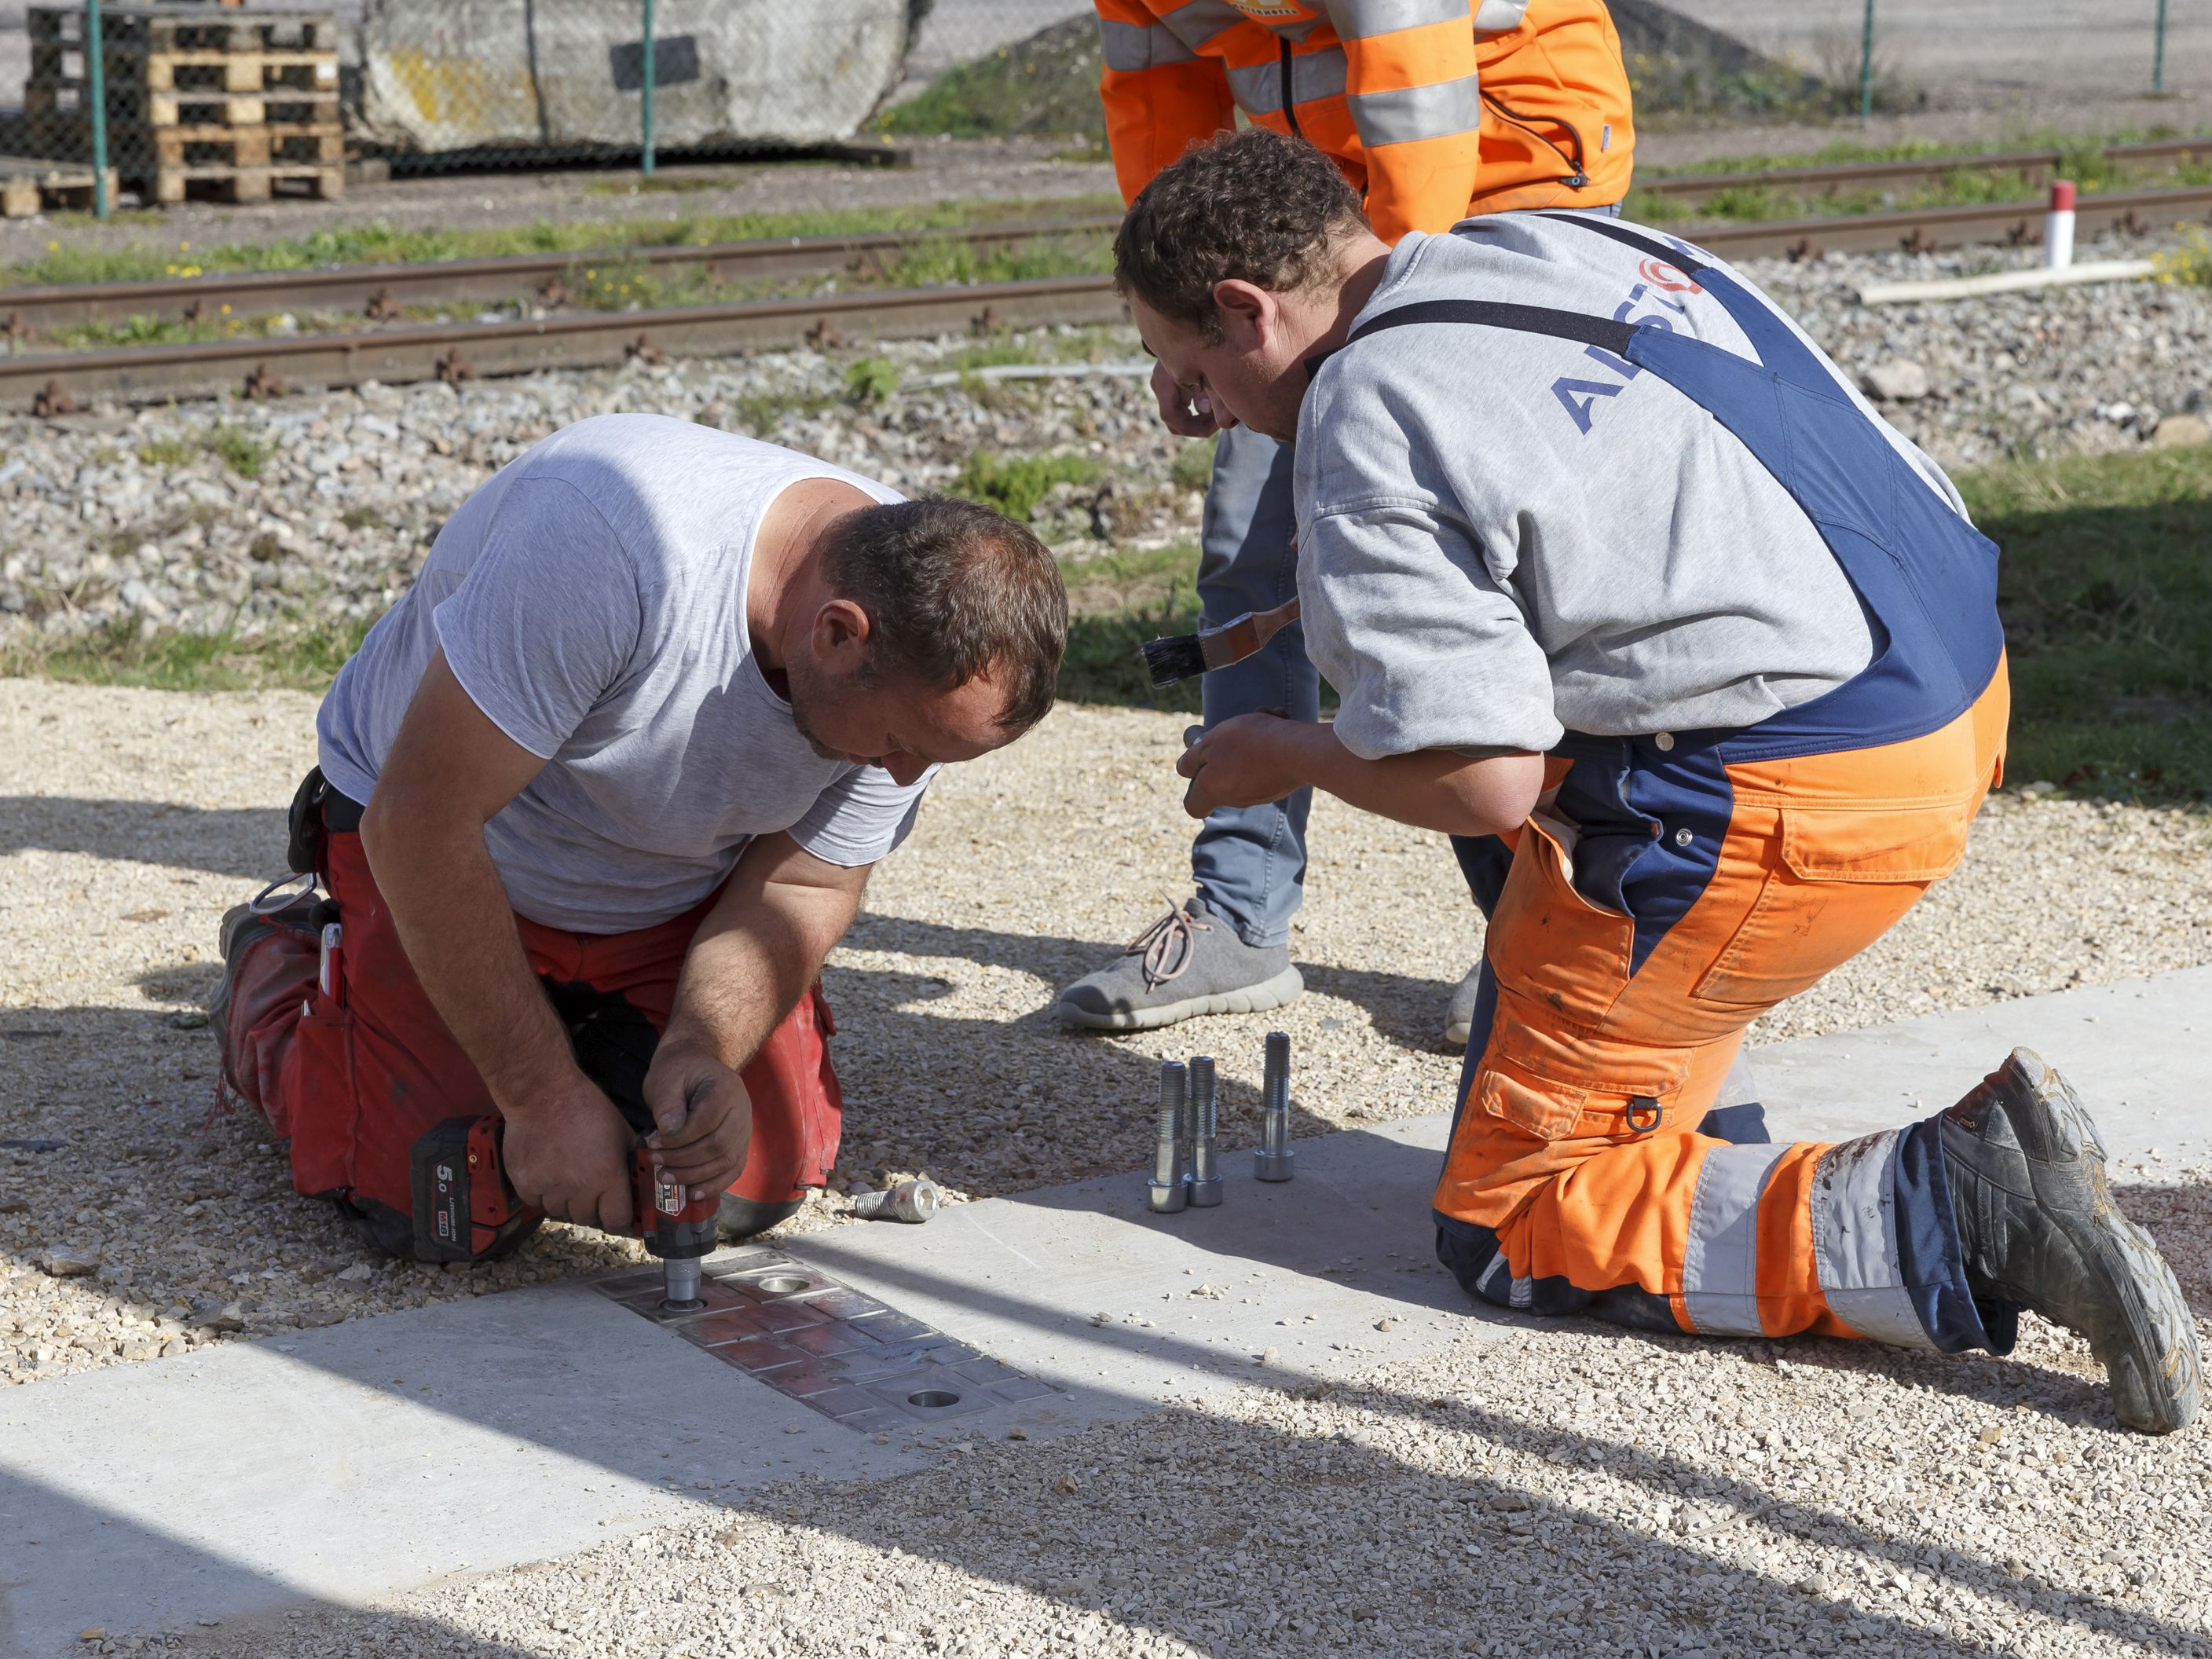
column 1168, row 1189
column 1273, row 1163
column 914, row 1201
column 1205, row 1124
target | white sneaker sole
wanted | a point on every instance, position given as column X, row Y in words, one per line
column 1250, row 1000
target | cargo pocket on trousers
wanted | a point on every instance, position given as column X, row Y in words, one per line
column 323, row 1092
column 1840, row 879
column 1548, row 1110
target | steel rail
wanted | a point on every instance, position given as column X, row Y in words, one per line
column 2031, row 164
column 63, row 381
column 57, row 382
column 383, row 290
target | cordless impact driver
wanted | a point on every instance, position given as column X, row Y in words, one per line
column 465, row 1207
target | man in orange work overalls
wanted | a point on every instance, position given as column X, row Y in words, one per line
column 1434, row 110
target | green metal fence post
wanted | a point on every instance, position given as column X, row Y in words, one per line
column 1866, row 65
column 645, row 86
column 2157, row 55
column 96, row 93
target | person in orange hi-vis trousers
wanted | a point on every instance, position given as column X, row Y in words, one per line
column 1435, row 111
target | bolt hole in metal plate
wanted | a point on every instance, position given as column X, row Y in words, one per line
column 826, row 1344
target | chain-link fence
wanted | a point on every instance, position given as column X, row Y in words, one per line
column 189, row 99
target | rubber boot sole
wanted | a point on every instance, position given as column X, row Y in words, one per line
column 2156, row 1381
column 1258, row 999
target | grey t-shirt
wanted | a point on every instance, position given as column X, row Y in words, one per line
column 1505, row 536
column 591, row 600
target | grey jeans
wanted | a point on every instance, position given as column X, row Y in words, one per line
column 1249, row 862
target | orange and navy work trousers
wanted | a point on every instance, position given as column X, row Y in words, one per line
column 355, row 1075
column 1601, row 1159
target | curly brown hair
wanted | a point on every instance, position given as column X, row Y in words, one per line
column 1253, row 206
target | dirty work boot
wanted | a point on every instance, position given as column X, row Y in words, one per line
column 1190, row 962
column 1459, row 1017
column 2040, row 1228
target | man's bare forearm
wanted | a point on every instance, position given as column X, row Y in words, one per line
column 1434, row 789
column 451, row 912
column 760, row 948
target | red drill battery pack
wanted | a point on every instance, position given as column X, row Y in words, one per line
column 463, row 1207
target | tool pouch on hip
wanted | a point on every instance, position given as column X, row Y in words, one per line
column 303, row 825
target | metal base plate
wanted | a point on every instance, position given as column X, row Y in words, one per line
column 848, row 1356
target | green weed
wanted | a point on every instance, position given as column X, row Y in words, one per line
column 1016, row 483
column 168, row 451
column 1192, row 466
column 240, row 450
column 872, row 380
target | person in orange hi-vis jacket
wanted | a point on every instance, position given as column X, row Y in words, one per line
column 1434, row 110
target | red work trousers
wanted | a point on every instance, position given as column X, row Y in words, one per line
column 356, row 1079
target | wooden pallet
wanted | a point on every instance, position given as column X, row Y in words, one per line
column 202, row 102
column 63, row 100
column 272, row 143
column 228, row 181
column 172, row 29
column 30, row 185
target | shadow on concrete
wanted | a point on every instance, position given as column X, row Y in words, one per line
column 248, row 842
column 1439, row 1522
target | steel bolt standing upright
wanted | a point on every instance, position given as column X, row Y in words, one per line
column 1205, row 1124
column 1273, row 1163
column 1167, row 1190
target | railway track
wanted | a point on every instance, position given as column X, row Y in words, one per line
column 2032, row 166
column 59, row 382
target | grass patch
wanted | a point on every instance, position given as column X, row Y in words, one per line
column 2106, row 596
column 1116, row 603
column 305, row 659
column 1016, row 483
column 2087, row 160
column 379, row 244
column 1045, row 86
column 239, row 449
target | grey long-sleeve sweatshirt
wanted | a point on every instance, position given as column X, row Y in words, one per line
column 1503, row 536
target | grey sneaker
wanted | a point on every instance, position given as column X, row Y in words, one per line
column 1459, row 1018
column 1190, row 962
column 2036, row 1215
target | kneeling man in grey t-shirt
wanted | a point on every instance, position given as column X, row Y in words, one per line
column 596, row 798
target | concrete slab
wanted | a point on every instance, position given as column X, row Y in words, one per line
column 1081, row 1287
column 341, row 1464
column 2138, row 1051
column 359, row 1461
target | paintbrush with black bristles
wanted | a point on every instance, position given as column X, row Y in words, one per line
column 1183, row 655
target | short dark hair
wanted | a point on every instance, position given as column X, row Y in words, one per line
column 1254, row 206
column 952, row 590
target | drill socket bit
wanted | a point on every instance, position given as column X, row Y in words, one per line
column 1275, row 1156
column 1169, row 1190
column 1205, row 1127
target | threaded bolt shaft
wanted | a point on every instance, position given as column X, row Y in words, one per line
column 1273, row 1163
column 1166, row 1192
column 1205, row 1125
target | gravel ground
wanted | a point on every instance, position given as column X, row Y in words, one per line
column 130, row 820
column 321, row 504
